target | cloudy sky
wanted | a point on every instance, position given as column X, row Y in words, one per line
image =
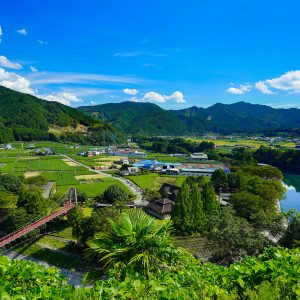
column 170, row 52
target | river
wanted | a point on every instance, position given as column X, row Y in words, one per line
column 292, row 200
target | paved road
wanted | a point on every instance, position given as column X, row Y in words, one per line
column 132, row 187
column 73, row 277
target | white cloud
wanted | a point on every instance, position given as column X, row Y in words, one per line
column 84, row 92
column 235, row 91
column 22, row 31
column 33, row 69
column 244, row 88
column 290, row 81
column 93, row 102
column 6, row 63
column 84, row 78
column 261, row 86
column 159, row 98
column 139, row 53
column 128, row 54
column 131, row 92
column 15, row 82
column 1, row 33
column 41, row 42
column 154, row 97
column 64, row 98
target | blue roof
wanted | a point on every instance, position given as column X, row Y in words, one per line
column 148, row 163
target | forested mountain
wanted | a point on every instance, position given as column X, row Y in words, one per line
column 25, row 117
column 137, row 118
column 148, row 118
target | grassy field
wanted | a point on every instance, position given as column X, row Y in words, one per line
column 155, row 180
column 94, row 188
column 58, row 170
column 243, row 142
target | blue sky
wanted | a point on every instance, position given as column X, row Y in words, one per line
column 173, row 53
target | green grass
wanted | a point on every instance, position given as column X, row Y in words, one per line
column 61, row 178
column 95, row 188
column 57, row 259
column 63, row 230
column 155, row 181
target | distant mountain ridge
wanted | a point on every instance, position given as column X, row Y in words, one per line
column 150, row 119
column 25, row 117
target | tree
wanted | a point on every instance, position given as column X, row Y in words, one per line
column 151, row 195
column 198, row 215
column 11, row 183
column 233, row 236
column 219, row 180
column 98, row 222
column 75, row 219
column 7, row 199
column 235, row 180
column 137, row 241
column 182, row 210
column 33, row 202
column 82, row 196
column 265, row 172
column 16, row 219
column 115, row 193
column 210, row 201
column 246, row 205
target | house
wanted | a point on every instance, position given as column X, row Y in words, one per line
column 173, row 171
column 31, row 146
column 129, row 152
column 197, row 172
column 124, row 161
column 198, row 156
column 177, row 155
column 130, row 171
column 297, row 147
column 161, row 208
column 169, row 191
column 9, row 147
column 2, row 146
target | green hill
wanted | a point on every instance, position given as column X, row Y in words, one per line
column 25, row 117
column 137, row 118
column 150, row 119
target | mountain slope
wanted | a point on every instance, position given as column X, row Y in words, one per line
column 148, row 118
column 25, row 117
column 137, row 118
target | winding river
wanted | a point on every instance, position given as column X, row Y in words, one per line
column 292, row 200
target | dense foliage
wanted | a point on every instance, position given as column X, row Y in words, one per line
column 192, row 206
column 22, row 201
column 137, row 241
column 176, row 145
column 273, row 275
column 288, row 160
column 284, row 159
column 26, row 118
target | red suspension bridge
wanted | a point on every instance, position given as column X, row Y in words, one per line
column 68, row 205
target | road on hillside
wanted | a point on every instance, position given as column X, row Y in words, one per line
column 131, row 186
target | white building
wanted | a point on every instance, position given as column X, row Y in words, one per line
column 199, row 156
column 196, row 172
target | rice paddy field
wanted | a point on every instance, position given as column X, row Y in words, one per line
column 231, row 143
column 63, row 172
